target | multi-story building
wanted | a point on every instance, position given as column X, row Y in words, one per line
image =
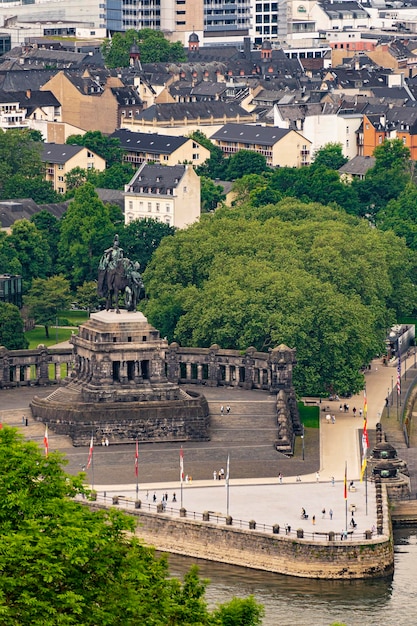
column 61, row 159
column 168, row 194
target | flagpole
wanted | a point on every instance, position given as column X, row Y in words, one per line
column 137, row 467
column 366, row 489
column 227, row 484
column 181, row 473
column 345, row 496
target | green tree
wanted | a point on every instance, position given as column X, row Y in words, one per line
column 32, row 250
column 211, row 194
column 108, row 148
column 300, row 273
column 86, row 231
column 20, row 158
column 87, row 297
column 49, row 226
column 12, row 334
column 36, row 187
column 215, row 166
column 400, row 216
column 77, row 177
column 115, row 177
column 330, row 156
column 154, row 48
column 9, row 260
column 245, row 162
column 391, row 154
column 46, row 298
column 140, row 238
column 62, row 563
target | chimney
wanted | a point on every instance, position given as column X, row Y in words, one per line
column 247, row 48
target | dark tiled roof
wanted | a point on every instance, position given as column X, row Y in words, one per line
column 148, row 142
column 266, row 136
column 153, row 177
column 17, row 80
column 191, row 110
column 59, row 153
column 359, row 165
column 24, row 208
column 126, row 96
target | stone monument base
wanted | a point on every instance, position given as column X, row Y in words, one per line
column 119, row 389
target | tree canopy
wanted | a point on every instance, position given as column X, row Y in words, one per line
column 153, row 46
column 62, row 563
column 306, row 275
column 46, row 298
column 108, row 148
column 12, row 334
column 330, row 156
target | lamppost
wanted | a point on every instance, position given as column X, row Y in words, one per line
column 302, row 440
column 388, row 402
column 392, row 390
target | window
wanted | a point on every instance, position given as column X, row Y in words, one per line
column 60, row 166
column 60, row 190
column 404, row 140
column 61, row 179
column 166, row 157
column 380, row 139
column 196, row 157
column 149, row 207
column 347, row 130
column 157, row 206
column 184, row 189
column 167, row 208
column 130, row 204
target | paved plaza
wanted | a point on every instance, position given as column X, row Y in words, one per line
column 247, row 436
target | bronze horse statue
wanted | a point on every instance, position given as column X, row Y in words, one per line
column 112, row 282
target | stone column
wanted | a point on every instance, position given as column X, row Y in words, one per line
column 43, row 367
column 227, row 373
column 188, row 371
column 57, row 371
column 123, row 372
column 199, row 372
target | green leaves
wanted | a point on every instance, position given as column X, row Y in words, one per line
column 309, row 276
column 12, row 335
column 63, row 564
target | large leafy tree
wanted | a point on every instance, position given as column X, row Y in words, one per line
column 211, row 194
column 46, row 298
column 11, row 328
column 62, row 563
column 215, row 166
column 330, row 156
column 142, row 237
column 32, row 250
column 245, row 162
column 86, row 231
column 49, row 226
column 9, row 260
column 108, row 148
column 303, row 274
column 154, row 48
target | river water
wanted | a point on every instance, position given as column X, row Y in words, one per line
column 301, row 602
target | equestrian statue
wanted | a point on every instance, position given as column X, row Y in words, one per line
column 116, row 275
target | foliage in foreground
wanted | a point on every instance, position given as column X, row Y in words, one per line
column 61, row 563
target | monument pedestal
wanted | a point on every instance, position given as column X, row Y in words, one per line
column 119, row 388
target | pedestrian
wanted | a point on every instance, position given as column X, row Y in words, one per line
column 341, row 408
column 23, row 420
column 26, row 421
column 298, row 479
column 332, row 481
column 221, row 410
column 103, row 443
column 166, row 497
column 333, row 419
column 328, row 418
column 106, row 441
column 323, row 513
column 347, row 408
column 186, row 478
column 228, row 409
column 214, row 475
column 317, row 477
column 360, row 412
column 280, row 477
column 174, row 497
column 354, row 411
column 222, row 473
column 147, row 494
column 313, row 520
column 154, row 497
column 331, row 513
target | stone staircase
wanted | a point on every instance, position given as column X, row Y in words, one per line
column 243, row 419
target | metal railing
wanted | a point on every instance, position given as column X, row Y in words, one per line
column 162, row 508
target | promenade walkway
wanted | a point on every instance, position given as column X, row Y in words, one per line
column 246, row 434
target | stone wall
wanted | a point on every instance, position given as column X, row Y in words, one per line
column 373, row 558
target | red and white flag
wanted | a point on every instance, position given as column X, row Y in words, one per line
column 46, row 441
column 137, row 458
column 90, row 452
column 181, row 465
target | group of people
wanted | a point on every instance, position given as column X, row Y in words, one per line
column 105, row 441
column 219, row 475
column 222, row 410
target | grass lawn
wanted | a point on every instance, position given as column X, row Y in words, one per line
column 75, row 318
column 56, row 335
column 309, row 415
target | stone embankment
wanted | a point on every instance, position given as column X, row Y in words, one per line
column 326, row 559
